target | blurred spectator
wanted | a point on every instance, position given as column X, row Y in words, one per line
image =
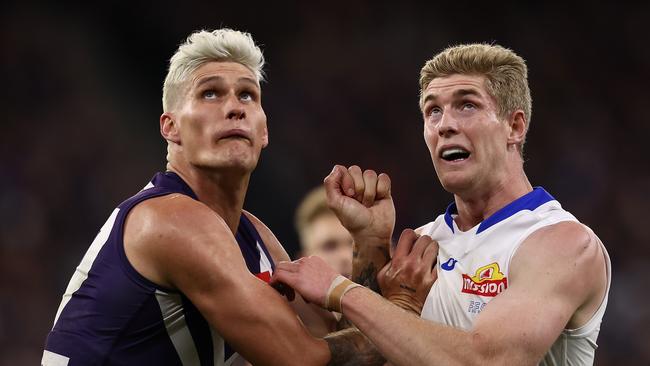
column 321, row 234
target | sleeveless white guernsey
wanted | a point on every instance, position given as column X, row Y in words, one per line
column 473, row 268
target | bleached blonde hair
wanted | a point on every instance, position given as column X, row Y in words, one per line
column 222, row 45
column 505, row 72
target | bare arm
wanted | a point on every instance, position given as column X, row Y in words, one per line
column 348, row 346
column 180, row 243
column 548, row 292
column 362, row 201
column 317, row 320
column 367, row 260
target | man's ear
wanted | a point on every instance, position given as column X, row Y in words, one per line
column 518, row 128
column 265, row 133
column 265, row 137
column 169, row 128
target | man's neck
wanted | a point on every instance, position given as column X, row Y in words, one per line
column 477, row 206
column 223, row 192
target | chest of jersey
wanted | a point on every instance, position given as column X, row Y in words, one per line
column 474, row 266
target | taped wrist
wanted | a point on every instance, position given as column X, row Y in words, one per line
column 337, row 289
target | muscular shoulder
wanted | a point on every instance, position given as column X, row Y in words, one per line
column 171, row 229
column 272, row 243
column 561, row 243
column 167, row 218
column 567, row 259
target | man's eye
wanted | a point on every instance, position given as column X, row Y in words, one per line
column 469, row 106
column 209, row 94
column 434, row 111
column 246, row 96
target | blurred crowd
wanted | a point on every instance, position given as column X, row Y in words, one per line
column 81, row 99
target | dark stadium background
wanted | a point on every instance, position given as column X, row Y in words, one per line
column 80, row 101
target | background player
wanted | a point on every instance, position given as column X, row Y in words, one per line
column 322, row 234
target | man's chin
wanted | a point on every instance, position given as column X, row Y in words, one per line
column 233, row 165
column 455, row 182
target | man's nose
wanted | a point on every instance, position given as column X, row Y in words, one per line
column 234, row 108
column 447, row 126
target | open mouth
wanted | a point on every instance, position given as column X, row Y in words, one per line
column 454, row 154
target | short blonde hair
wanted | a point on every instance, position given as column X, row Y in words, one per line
column 312, row 206
column 201, row 47
column 505, row 72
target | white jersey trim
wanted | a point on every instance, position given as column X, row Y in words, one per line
column 171, row 307
column 54, row 359
column 81, row 273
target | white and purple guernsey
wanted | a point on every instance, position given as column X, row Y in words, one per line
column 111, row 315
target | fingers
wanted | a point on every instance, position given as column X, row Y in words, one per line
column 348, row 183
column 335, row 184
column 384, row 270
column 430, row 254
column 284, row 290
column 383, row 186
column 284, row 278
column 359, row 184
column 287, row 266
column 421, row 244
column 405, row 243
column 364, row 186
column 338, row 186
column 381, row 275
column 370, row 184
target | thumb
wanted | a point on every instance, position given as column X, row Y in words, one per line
column 333, row 184
column 339, row 189
column 278, row 283
column 381, row 275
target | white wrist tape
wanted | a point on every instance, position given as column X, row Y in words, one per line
column 337, row 289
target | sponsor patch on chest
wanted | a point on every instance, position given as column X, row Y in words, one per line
column 486, row 281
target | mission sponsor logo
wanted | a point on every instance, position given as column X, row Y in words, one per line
column 487, row 281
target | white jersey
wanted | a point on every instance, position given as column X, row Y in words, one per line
column 474, row 268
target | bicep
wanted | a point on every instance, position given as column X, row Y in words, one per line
column 243, row 308
column 207, row 266
column 521, row 323
column 547, row 286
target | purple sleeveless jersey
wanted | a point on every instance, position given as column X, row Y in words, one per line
column 112, row 315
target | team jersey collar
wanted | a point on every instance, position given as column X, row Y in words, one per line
column 530, row 201
column 172, row 180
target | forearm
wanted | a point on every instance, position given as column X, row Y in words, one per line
column 402, row 337
column 262, row 337
column 369, row 257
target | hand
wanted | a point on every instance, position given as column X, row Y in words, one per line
column 408, row 277
column 309, row 276
column 362, row 201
